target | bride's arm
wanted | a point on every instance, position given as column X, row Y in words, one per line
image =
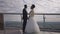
column 30, row 14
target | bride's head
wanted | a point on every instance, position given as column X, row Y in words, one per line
column 33, row 6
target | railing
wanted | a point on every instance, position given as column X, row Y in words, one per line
column 35, row 13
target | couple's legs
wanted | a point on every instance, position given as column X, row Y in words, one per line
column 24, row 25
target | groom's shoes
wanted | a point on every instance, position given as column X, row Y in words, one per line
column 24, row 32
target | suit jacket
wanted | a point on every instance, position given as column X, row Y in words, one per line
column 24, row 14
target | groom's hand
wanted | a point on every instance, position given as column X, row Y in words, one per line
column 22, row 17
column 27, row 18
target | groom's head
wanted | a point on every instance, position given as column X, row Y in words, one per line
column 25, row 6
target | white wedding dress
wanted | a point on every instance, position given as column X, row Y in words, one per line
column 32, row 26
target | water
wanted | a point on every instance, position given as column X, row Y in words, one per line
column 48, row 25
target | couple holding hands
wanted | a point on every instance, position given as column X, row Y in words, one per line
column 29, row 24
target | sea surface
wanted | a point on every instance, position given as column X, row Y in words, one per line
column 51, row 25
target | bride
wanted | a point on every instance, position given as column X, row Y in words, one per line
column 32, row 26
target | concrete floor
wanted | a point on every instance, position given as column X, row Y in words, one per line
column 20, row 32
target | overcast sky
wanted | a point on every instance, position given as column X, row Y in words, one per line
column 42, row 6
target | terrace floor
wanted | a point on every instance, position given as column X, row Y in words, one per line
column 10, row 31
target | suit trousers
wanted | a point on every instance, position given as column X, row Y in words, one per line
column 24, row 24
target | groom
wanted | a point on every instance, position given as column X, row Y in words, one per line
column 24, row 18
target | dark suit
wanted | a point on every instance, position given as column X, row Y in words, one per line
column 24, row 19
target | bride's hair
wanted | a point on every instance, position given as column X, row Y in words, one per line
column 33, row 6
